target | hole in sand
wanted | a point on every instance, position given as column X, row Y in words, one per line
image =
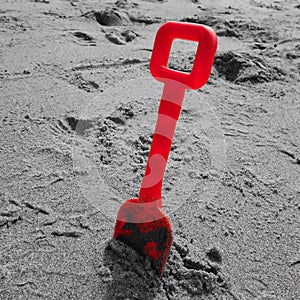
column 182, row 55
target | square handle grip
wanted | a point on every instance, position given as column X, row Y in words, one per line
column 204, row 58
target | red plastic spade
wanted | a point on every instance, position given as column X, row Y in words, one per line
column 141, row 222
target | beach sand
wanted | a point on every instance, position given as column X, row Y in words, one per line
column 78, row 108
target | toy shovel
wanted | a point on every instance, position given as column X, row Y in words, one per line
column 141, row 223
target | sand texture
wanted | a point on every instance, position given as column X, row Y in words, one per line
column 78, row 108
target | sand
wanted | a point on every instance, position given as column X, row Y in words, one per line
column 78, row 108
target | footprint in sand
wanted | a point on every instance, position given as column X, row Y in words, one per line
column 111, row 17
column 242, row 68
column 121, row 37
column 236, row 28
column 82, row 83
column 84, row 39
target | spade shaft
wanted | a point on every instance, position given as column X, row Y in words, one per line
column 168, row 114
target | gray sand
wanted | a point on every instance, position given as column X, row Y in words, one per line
column 78, row 109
